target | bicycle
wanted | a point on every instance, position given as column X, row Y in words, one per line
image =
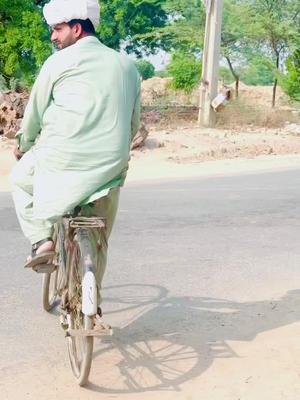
column 71, row 279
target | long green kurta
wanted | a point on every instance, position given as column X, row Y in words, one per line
column 84, row 109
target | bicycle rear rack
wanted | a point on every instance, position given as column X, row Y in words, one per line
column 86, row 222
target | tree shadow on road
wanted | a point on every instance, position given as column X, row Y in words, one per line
column 167, row 341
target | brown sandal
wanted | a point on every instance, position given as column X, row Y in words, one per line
column 42, row 262
column 42, row 258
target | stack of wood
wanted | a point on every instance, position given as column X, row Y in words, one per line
column 12, row 107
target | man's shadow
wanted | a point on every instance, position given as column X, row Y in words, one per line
column 166, row 341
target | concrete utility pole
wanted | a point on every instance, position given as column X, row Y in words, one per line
column 210, row 61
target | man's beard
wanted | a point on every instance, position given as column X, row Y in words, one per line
column 63, row 45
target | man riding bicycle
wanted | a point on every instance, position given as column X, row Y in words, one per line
column 74, row 141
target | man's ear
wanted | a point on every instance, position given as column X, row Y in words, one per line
column 78, row 30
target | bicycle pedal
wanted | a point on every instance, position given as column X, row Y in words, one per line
column 44, row 268
column 103, row 331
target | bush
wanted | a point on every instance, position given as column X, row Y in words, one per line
column 259, row 71
column 291, row 81
column 145, row 68
column 185, row 70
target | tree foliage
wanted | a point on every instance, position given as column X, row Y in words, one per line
column 274, row 29
column 185, row 31
column 132, row 21
column 290, row 82
column 185, row 71
column 145, row 68
column 257, row 71
column 24, row 43
column 258, row 36
column 25, row 40
column 234, row 43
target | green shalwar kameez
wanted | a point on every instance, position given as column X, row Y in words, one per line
column 82, row 114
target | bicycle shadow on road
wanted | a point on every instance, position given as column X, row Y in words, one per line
column 167, row 341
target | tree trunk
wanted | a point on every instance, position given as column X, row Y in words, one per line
column 274, row 92
column 235, row 75
column 237, row 82
column 275, row 80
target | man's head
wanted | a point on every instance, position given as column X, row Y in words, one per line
column 70, row 20
column 65, row 34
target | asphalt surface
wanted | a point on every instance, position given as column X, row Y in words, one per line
column 193, row 265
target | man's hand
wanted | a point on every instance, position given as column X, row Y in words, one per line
column 18, row 153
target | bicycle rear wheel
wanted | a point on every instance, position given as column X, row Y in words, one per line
column 80, row 345
column 50, row 290
column 53, row 283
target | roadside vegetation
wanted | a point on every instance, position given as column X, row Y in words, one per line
column 260, row 41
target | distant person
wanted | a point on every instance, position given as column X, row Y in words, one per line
column 74, row 141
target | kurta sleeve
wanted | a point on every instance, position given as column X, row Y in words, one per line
column 38, row 101
column 136, row 115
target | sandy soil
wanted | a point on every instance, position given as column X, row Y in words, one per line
column 191, row 152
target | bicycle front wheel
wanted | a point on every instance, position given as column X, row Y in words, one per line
column 80, row 348
column 80, row 345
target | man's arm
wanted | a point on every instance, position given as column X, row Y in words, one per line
column 38, row 102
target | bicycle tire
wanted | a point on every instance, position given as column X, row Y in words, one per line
column 80, row 349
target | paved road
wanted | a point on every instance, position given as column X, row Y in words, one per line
column 196, row 268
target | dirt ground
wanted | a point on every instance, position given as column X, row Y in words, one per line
column 190, row 151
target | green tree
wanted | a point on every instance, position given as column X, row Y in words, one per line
column 145, row 68
column 25, row 40
column 252, row 29
column 184, row 28
column 185, row 70
column 24, row 43
column 275, row 29
column 290, row 82
column 133, row 22
column 234, row 43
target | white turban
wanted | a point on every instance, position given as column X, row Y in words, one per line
column 58, row 11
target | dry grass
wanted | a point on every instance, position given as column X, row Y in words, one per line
column 166, row 109
column 240, row 114
column 236, row 115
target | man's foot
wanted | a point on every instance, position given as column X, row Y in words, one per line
column 42, row 246
column 42, row 254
